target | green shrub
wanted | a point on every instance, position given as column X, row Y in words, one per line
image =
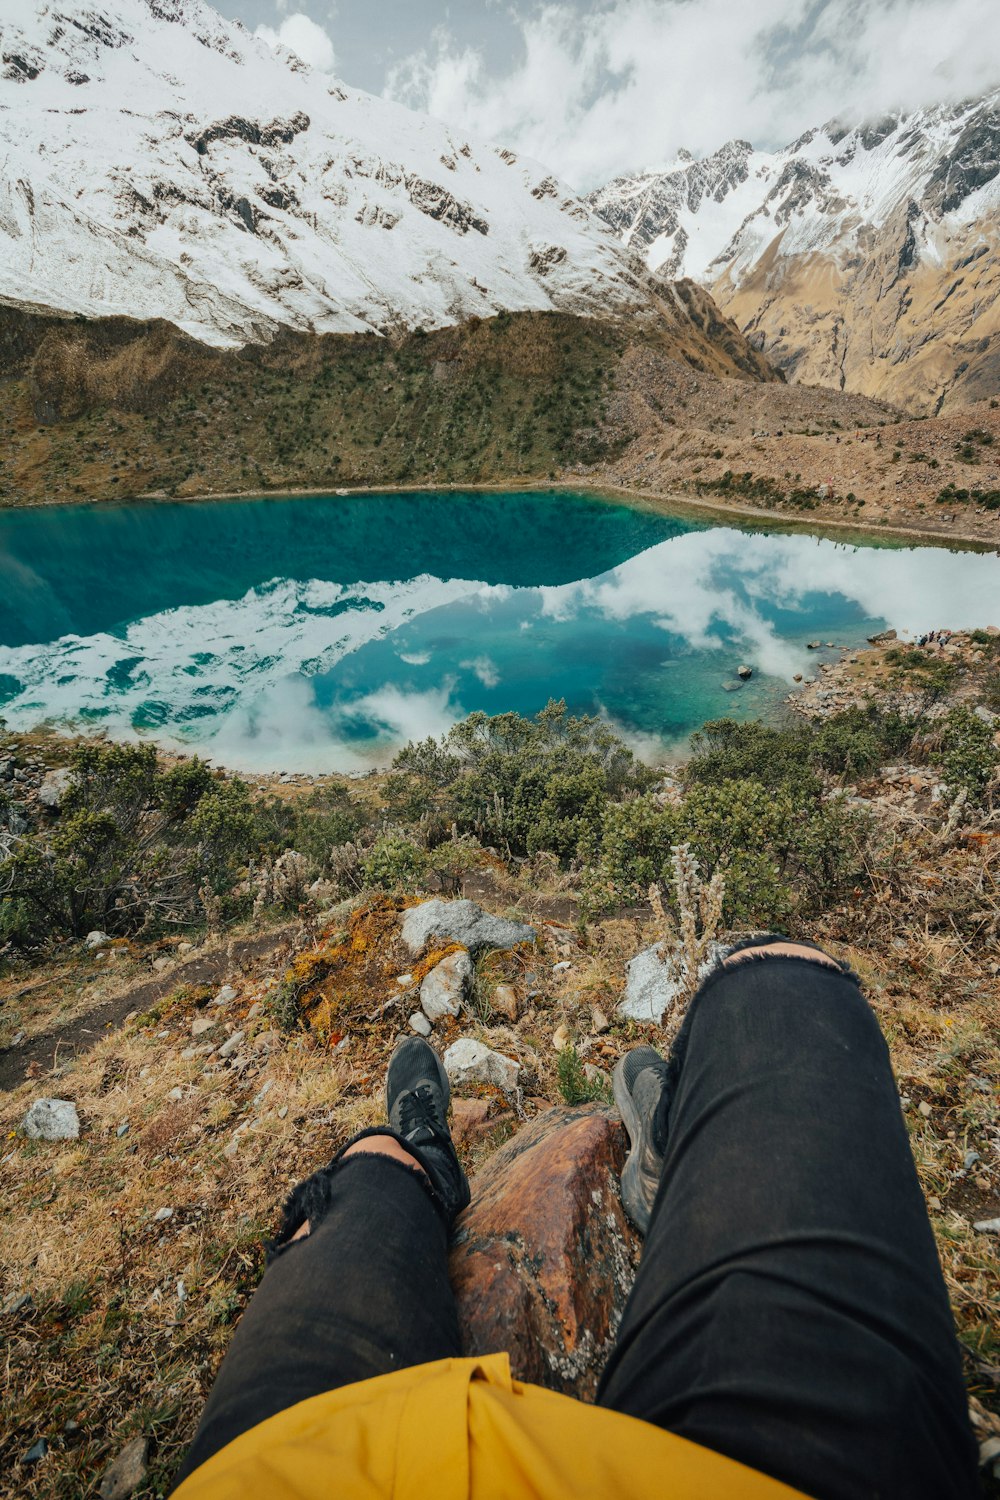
column 524, row 785
column 781, row 850
column 969, row 757
column 394, row 862
column 574, row 1085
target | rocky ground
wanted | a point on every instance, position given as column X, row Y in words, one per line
column 818, row 454
column 203, row 1075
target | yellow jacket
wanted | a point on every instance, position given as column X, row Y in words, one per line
column 463, row 1429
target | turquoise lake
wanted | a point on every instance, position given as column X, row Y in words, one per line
column 321, row 634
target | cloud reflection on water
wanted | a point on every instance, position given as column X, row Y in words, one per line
column 277, row 678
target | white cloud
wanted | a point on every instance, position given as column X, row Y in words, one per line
column 303, row 36
column 485, row 670
column 626, row 84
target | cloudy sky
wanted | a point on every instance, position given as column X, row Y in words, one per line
column 595, row 87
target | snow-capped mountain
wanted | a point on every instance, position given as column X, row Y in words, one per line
column 159, row 161
column 867, row 258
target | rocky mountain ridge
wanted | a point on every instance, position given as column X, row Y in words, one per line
column 160, row 162
column 866, row 258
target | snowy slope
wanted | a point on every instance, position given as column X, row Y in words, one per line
column 864, row 258
column 939, row 166
column 158, row 161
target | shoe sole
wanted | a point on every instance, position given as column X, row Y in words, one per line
column 442, row 1075
column 633, row 1190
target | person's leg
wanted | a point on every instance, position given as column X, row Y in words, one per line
column 789, row 1310
column 358, row 1285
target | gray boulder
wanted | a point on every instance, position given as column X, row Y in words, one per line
column 464, row 922
column 52, row 1120
column 468, row 1061
column 445, row 988
column 54, row 787
column 655, row 978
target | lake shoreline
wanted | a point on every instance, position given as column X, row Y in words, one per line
column 668, row 502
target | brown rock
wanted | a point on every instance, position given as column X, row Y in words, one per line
column 505, row 1001
column 545, row 1258
column 466, row 1116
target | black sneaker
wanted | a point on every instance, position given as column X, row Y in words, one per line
column 639, row 1081
column 416, row 1100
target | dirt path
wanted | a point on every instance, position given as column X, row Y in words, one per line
column 53, row 1047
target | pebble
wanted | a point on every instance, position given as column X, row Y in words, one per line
column 123, row 1129
column 176, row 1095
column 162, row 1214
column 561, row 966
column 262, row 1093
column 231, row 1043
column 560, row 1037
column 17, row 1302
column 420, row 1024
column 255, row 1010
column 599, row 1022
column 95, row 940
column 36, row 1452
column 201, row 1024
column 225, row 996
column 185, row 948
column 925, row 1109
column 125, row 1473
column 282, row 1112
column 445, row 988
column 987, row 1226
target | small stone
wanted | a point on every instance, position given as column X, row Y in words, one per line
column 560, row 1037
column 987, row 1226
column 404, row 980
column 126, row 1472
column 17, row 1039
column 201, row 1024
column 420, row 1024
column 184, row 949
column 162, row 1214
column 935, row 1204
column 36, row 1452
column 561, row 966
column 468, row 1116
column 266, row 1041
column 262, row 1093
column 467, row 1061
column 505, row 1001
column 255, row 1010
column 123, row 1129
column 445, row 988
column 797, row 677
column 231, row 1044
column 971, row 1157
column 594, row 1074
column 225, row 996
column 52, row 1120
column 599, row 1022
column 17, row 1302
column 282, row 1112
column 95, row 940
column 744, row 673
column 176, row 1095
column 925, row 1109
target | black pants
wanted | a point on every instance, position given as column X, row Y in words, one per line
column 789, row 1310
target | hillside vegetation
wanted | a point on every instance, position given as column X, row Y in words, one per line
column 113, row 409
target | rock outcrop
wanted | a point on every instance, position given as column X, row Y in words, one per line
column 544, row 1259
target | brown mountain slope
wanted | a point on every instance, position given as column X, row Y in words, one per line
column 926, row 336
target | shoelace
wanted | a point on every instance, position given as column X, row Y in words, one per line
column 418, row 1111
